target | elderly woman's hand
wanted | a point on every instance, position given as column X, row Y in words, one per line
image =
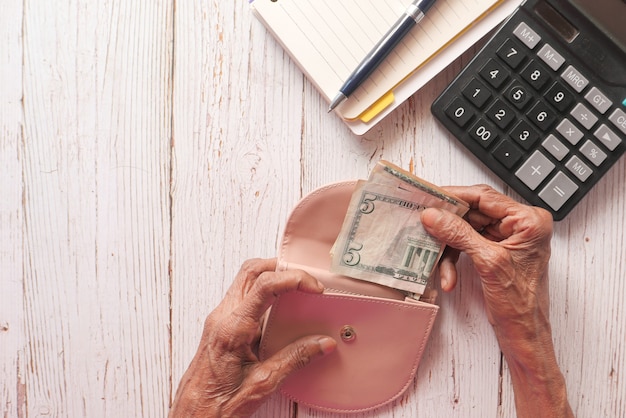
column 509, row 244
column 226, row 378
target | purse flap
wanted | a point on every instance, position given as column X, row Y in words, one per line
column 379, row 345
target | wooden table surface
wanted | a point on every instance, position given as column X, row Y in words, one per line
column 149, row 147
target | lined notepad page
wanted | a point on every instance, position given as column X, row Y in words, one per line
column 329, row 38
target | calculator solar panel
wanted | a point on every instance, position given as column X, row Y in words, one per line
column 543, row 104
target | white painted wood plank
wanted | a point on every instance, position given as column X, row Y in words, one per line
column 12, row 341
column 236, row 171
column 97, row 124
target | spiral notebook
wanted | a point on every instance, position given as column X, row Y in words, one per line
column 328, row 38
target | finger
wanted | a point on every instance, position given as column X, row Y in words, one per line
column 250, row 270
column 269, row 285
column 273, row 371
column 500, row 217
column 478, row 220
column 490, row 259
column 447, row 269
column 487, row 200
column 532, row 225
column 242, row 325
column 453, row 231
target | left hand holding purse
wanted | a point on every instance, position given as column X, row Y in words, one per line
column 226, row 377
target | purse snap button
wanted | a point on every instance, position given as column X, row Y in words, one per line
column 347, row 333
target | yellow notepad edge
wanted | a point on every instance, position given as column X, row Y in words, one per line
column 388, row 98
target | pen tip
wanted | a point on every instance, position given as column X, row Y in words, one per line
column 340, row 97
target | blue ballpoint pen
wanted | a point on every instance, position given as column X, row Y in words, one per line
column 413, row 14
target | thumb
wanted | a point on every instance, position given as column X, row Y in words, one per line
column 486, row 255
column 453, row 231
column 262, row 379
column 295, row 356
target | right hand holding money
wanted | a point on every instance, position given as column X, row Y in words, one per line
column 509, row 244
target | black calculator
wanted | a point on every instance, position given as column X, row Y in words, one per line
column 543, row 104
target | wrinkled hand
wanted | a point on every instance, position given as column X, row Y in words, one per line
column 226, row 378
column 509, row 244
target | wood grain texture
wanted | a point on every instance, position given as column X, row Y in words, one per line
column 150, row 147
column 236, row 155
column 12, row 339
column 97, row 112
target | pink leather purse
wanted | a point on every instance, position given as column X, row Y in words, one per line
column 381, row 335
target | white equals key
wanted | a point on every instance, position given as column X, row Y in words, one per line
column 559, row 191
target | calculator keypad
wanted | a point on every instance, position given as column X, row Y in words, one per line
column 535, row 117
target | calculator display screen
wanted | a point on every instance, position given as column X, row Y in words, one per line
column 608, row 15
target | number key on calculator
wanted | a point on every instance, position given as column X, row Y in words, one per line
column 543, row 104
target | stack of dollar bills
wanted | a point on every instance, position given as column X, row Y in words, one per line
column 382, row 239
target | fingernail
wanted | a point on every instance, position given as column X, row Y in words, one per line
column 444, row 283
column 327, row 345
column 430, row 216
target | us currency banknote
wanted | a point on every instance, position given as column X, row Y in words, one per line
column 382, row 239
